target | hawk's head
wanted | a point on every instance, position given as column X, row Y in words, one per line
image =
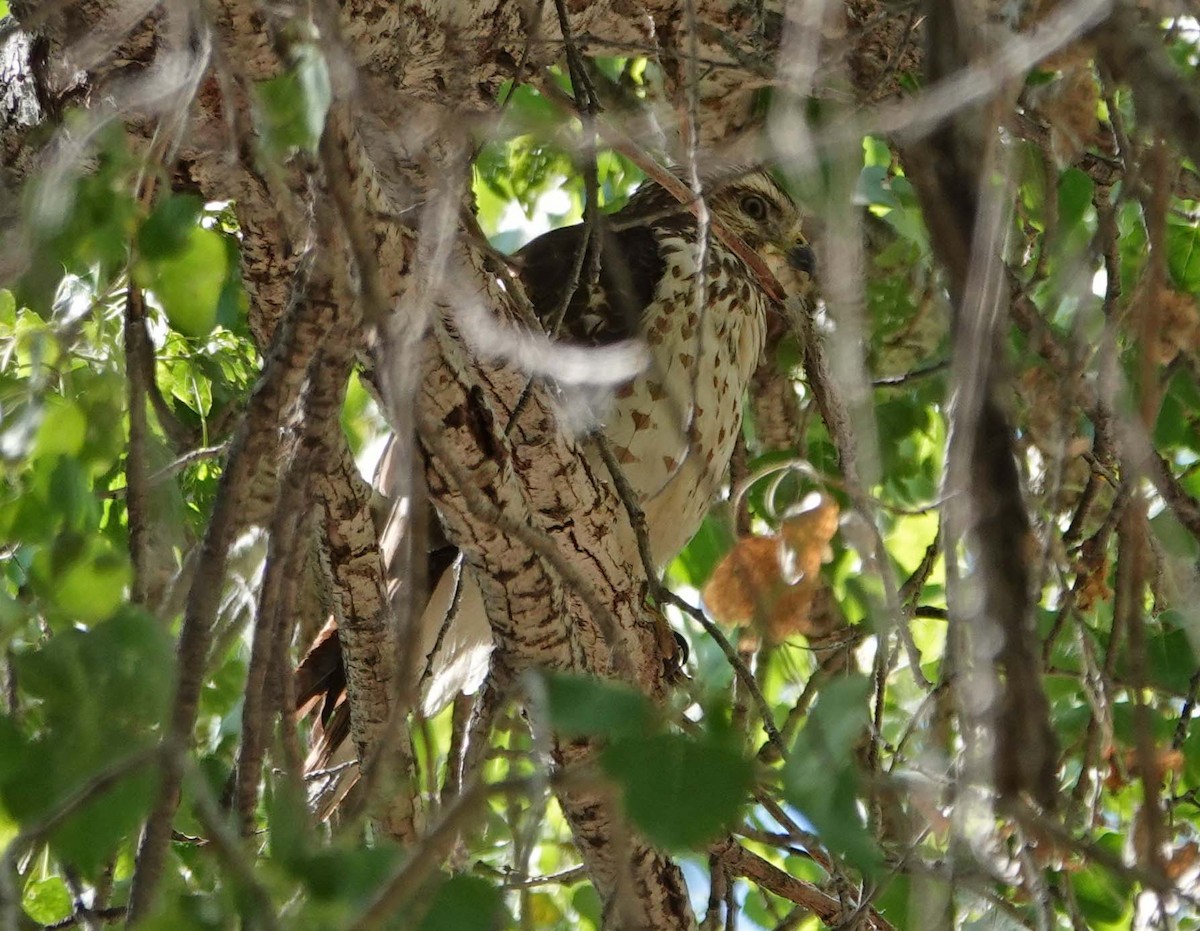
column 756, row 207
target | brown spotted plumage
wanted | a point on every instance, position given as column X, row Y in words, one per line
column 675, row 426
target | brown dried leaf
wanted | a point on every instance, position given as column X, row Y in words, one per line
column 772, row 581
column 1070, row 109
column 744, row 581
column 792, row 612
column 1042, row 392
column 1182, row 860
column 1116, row 778
column 806, row 534
column 1176, row 325
column 1167, row 760
column 1092, row 583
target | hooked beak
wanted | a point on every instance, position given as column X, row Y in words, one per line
column 801, row 258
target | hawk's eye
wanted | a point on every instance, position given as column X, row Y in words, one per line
column 754, row 207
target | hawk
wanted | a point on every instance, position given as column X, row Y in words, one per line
column 673, row 428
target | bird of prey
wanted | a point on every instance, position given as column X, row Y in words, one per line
column 673, row 429
column 681, row 287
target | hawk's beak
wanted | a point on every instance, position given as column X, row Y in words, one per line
column 801, row 258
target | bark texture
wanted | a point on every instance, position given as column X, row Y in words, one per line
column 350, row 253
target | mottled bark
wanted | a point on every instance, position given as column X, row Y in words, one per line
column 539, row 621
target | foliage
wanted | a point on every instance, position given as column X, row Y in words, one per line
column 866, row 773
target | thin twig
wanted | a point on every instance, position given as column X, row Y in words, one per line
column 741, row 862
column 191, row 457
column 745, row 676
column 137, row 483
column 664, row 595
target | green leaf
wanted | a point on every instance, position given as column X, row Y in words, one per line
column 62, row 429
column 1177, row 417
column 1128, row 722
column 1132, row 244
column 81, row 224
column 1170, row 661
column 288, row 820
column 681, row 792
column 532, row 111
column 190, row 913
column 1075, row 191
column 86, row 577
column 350, row 874
column 837, row 720
column 70, row 496
column 1191, row 757
column 13, row 749
column 1178, row 542
column 86, row 839
column 586, row 901
column 110, row 682
column 874, row 188
column 1104, row 898
column 102, row 694
column 47, row 900
column 1039, row 76
column 1183, row 253
column 168, row 229
column 586, row 706
column 465, row 903
column 18, row 429
column 13, row 614
column 820, row 777
column 876, row 151
column 189, row 282
column 908, row 223
column 895, row 899
column 8, row 309
column 233, row 305
column 292, row 107
column 542, row 910
column 617, row 177
column 699, row 558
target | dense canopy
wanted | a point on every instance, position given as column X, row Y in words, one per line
column 941, row 622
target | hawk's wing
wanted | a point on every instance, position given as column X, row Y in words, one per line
column 631, row 266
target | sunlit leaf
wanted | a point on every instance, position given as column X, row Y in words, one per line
column 1103, row 896
column 47, row 900
column 1074, row 198
column 188, row 282
column 712, row 541
column 168, row 229
column 62, row 429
